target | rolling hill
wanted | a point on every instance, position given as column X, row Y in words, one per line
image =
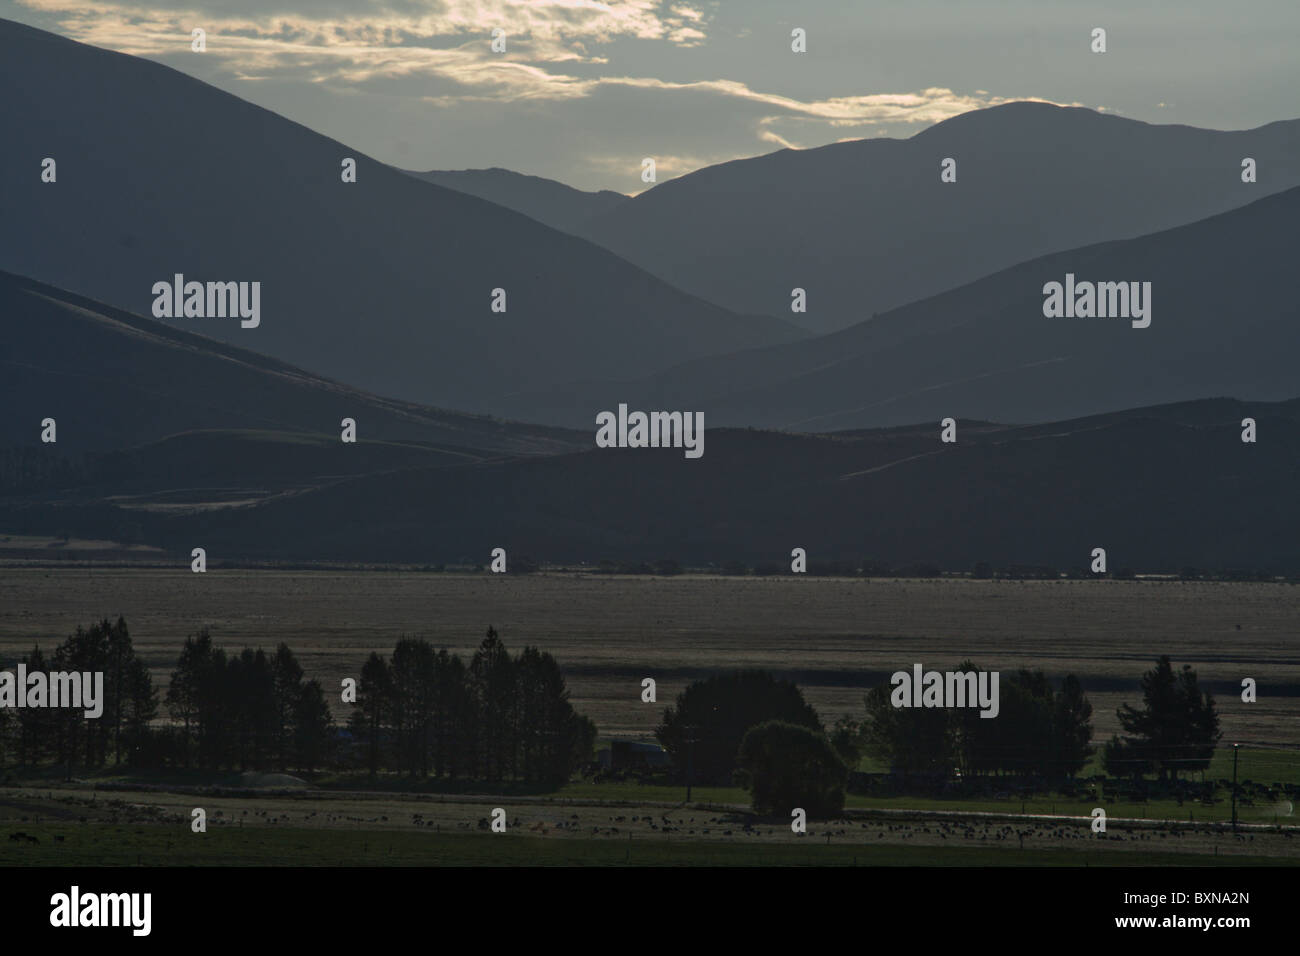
column 112, row 381
column 1224, row 321
column 1159, row 488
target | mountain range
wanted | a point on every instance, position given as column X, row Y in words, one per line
column 386, row 283
column 1225, row 320
column 1161, row 488
column 927, row 301
column 868, row 225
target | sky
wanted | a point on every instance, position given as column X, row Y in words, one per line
column 585, row 90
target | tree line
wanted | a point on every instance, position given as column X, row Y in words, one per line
column 1040, row 731
column 423, row 712
column 250, row 711
column 752, row 728
column 428, row 713
column 33, row 735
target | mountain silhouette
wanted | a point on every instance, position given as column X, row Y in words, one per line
column 112, row 380
column 1159, row 488
column 555, row 204
column 867, row 226
column 166, row 437
column 386, row 283
column 1225, row 321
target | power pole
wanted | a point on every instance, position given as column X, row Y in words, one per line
column 690, row 753
column 1234, row 787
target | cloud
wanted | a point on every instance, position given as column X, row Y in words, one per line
column 450, row 41
column 396, row 33
column 438, row 54
column 666, row 166
column 926, row 107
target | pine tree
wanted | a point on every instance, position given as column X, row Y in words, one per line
column 37, row 726
column 313, row 728
column 492, row 676
column 183, row 692
column 286, row 675
column 414, row 682
column 373, row 710
column 1072, row 728
column 1176, row 729
column 141, row 708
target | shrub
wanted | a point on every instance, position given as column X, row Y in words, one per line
column 787, row 765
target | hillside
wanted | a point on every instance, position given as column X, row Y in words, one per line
column 112, row 380
column 867, row 226
column 555, row 204
column 1158, row 488
column 1223, row 322
column 385, row 283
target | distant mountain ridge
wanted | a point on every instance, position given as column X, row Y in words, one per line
column 555, row 204
column 1225, row 321
column 194, row 440
column 867, row 226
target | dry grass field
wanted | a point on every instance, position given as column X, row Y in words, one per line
column 87, row 827
column 835, row 636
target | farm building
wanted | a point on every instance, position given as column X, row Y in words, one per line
column 632, row 755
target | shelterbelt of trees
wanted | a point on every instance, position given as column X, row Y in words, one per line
column 753, row 728
column 497, row 718
column 422, row 712
column 1045, row 732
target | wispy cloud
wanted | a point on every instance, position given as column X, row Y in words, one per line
column 398, row 36
column 450, row 41
column 438, row 53
column 666, row 166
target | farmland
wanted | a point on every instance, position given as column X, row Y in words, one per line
column 834, row 636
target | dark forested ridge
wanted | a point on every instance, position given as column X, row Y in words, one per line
column 1162, row 488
